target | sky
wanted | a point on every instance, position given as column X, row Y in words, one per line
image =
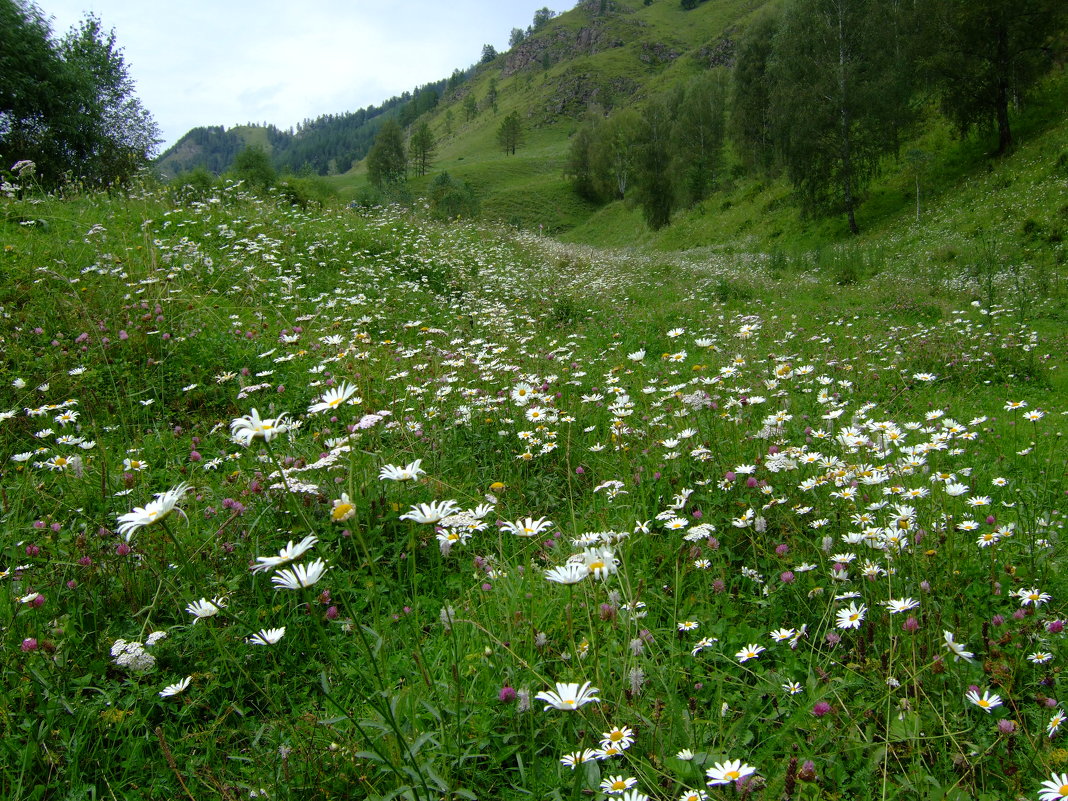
column 230, row 62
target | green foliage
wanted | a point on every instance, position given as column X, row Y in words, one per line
column 700, row 124
column 987, row 55
column 69, row 106
column 751, row 118
column 840, row 97
column 421, row 148
column 744, row 419
column 451, row 199
column 654, row 178
column 196, row 184
column 387, row 163
column 510, row 133
column 253, row 166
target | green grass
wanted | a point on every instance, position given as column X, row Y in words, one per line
column 786, row 403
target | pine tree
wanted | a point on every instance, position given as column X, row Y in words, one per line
column 510, row 133
column 421, row 148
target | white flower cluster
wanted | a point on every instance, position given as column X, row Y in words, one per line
column 132, row 655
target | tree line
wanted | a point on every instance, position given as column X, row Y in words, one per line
column 822, row 91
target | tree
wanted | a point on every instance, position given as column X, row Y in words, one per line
column 253, row 166
column 491, row 95
column 387, row 162
column 117, row 135
column 542, row 17
column 580, row 158
column 516, row 37
column 421, row 147
column 489, row 52
column 987, row 54
column 655, row 187
column 615, row 154
column 510, row 133
column 700, row 122
column 470, row 106
column 69, row 106
column 840, row 97
column 751, row 112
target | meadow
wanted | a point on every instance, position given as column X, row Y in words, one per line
column 345, row 503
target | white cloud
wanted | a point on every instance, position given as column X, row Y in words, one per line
column 204, row 62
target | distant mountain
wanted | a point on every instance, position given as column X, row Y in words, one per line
column 327, row 145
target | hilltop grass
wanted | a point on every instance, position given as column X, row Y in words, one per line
column 813, row 525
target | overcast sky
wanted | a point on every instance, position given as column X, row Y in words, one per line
column 228, row 62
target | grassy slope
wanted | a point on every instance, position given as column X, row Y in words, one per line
column 965, row 195
column 529, row 188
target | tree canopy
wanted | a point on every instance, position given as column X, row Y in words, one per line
column 69, row 105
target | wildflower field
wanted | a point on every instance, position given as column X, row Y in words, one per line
column 344, row 503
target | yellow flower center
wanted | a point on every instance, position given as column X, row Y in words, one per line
column 341, row 510
column 732, row 775
column 1063, row 790
column 619, row 784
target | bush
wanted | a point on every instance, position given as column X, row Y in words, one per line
column 451, row 199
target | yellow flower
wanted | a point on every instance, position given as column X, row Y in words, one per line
column 343, row 509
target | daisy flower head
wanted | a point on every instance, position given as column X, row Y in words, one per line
column 245, row 429
column 576, row 758
column 176, row 688
column 1040, row 657
column 693, row 795
column 570, row 573
column 267, row 636
column 986, row 701
column 1055, row 723
column 1055, row 788
column 615, row 785
column 620, row 736
column 851, row 617
column 1032, row 596
column 751, row 651
column 409, row 472
column 288, row 554
column 205, row 608
column 528, row 527
column 299, row 576
column 727, row 772
column 898, row 605
column 956, row 648
column 334, row 397
column 343, row 509
column 568, row 697
column 430, row 512
column 152, row 512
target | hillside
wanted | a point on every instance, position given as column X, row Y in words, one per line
column 586, row 58
column 604, row 57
